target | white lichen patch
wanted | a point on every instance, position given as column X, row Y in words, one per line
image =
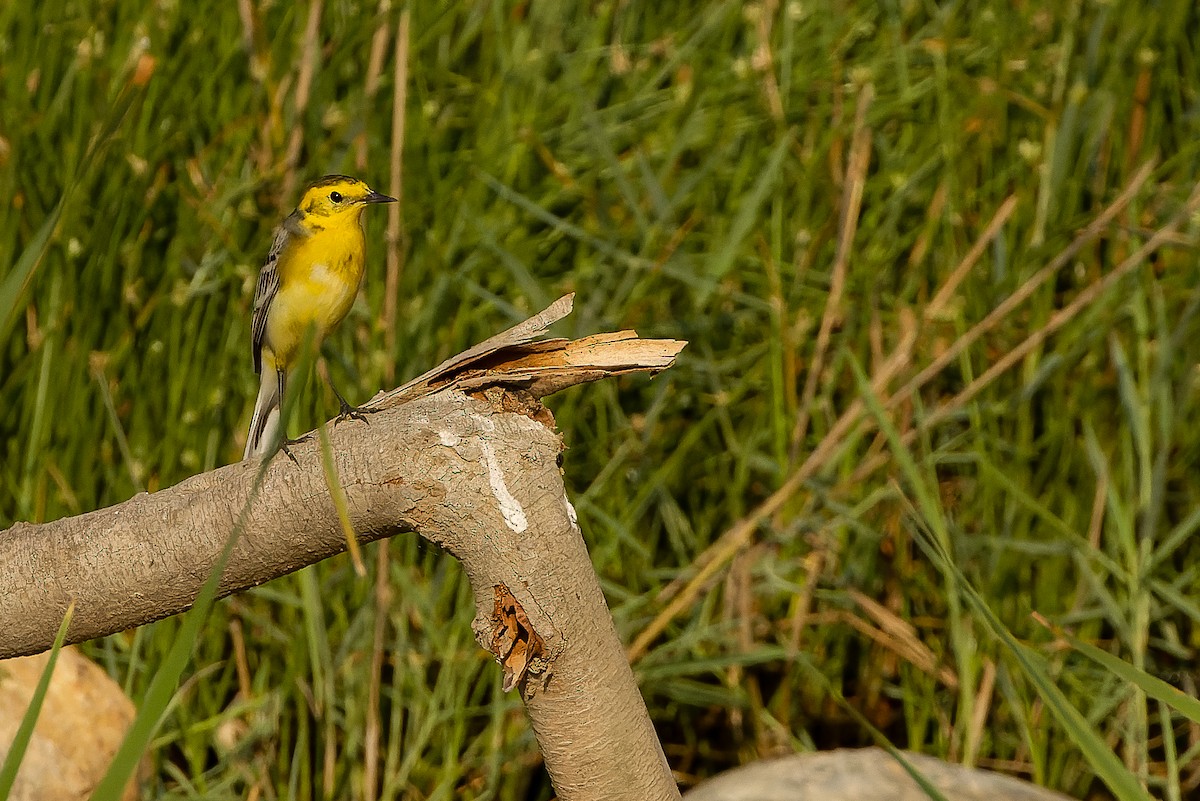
column 510, row 508
column 448, row 438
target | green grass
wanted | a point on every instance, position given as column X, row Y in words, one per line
column 685, row 176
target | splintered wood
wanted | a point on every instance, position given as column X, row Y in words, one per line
column 514, row 643
column 517, row 359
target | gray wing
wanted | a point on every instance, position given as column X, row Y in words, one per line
column 268, row 283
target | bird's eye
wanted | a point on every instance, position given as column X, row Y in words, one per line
column 336, row 197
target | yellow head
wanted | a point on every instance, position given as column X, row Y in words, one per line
column 338, row 198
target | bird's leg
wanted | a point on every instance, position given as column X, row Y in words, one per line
column 281, row 377
column 347, row 411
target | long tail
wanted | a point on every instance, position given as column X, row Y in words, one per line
column 265, row 423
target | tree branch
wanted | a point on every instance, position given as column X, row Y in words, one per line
column 464, row 456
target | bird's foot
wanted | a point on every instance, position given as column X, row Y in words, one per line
column 348, row 412
column 285, row 447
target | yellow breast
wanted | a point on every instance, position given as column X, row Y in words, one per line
column 319, row 277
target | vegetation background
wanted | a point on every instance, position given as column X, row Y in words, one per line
column 688, row 169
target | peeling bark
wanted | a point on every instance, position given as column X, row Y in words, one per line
column 515, row 643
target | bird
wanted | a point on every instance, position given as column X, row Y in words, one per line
column 308, row 283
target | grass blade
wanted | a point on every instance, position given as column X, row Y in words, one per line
column 16, row 752
column 1152, row 686
column 17, row 282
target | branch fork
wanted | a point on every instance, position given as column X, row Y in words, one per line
column 465, row 456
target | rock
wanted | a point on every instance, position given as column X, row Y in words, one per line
column 866, row 774
column 83, row 720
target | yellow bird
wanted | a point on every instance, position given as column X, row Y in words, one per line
column 310, row 280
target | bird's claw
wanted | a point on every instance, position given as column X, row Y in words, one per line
column 287, row 451
column 346, row 411
column 349, row 412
